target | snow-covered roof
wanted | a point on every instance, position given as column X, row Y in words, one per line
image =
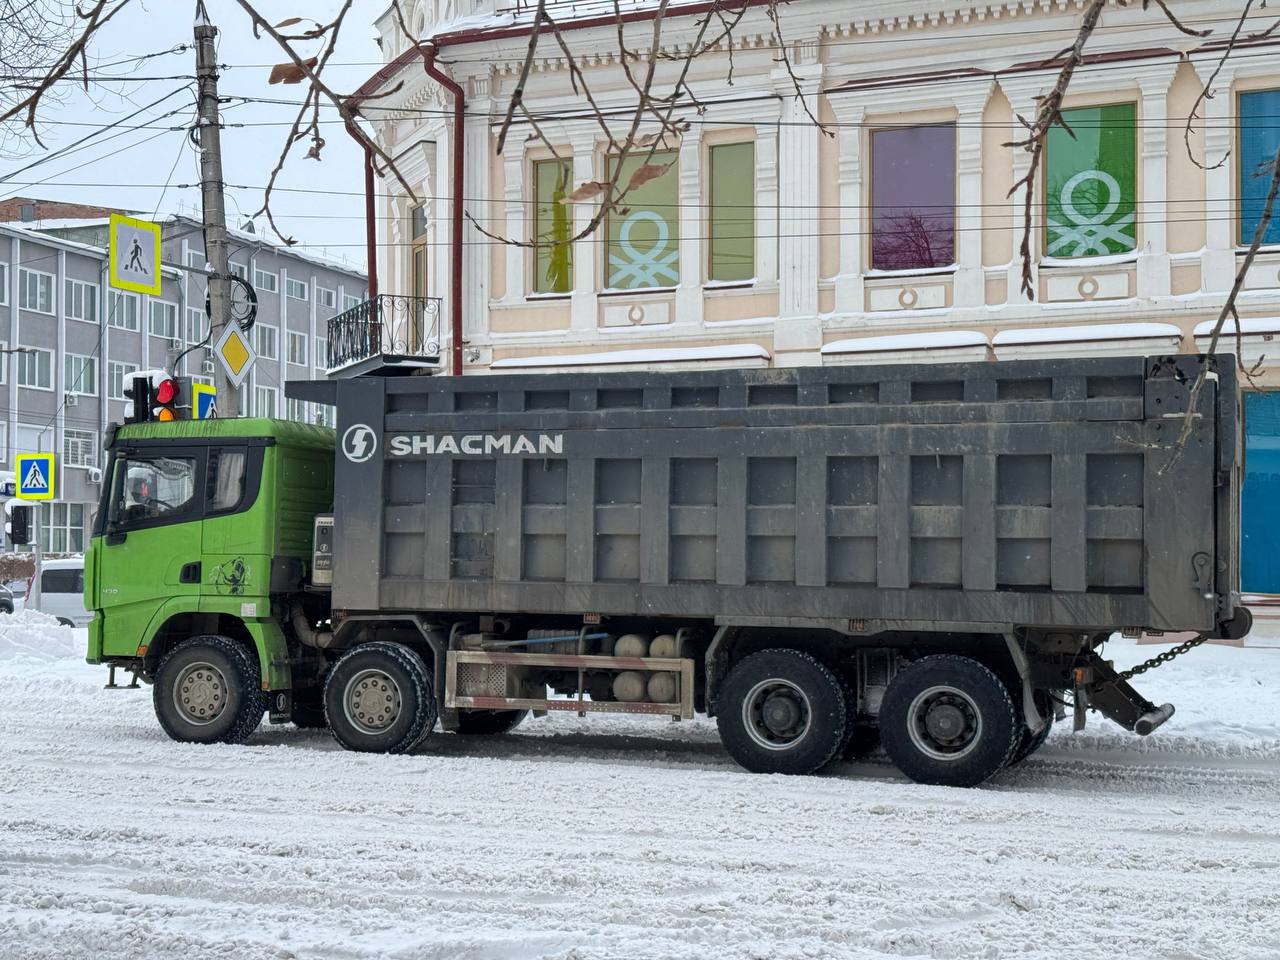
column 39, row 236
column 1086, row 332
column 1247, row 325
column 936, row 340
column 733, row 351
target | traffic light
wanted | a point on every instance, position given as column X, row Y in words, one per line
column 19, row 524
column 166, row 399
column 139, row 393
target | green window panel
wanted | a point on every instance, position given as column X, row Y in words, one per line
column 1091, row 183
column 644, row 232
column 733, row 215
column 553, row 255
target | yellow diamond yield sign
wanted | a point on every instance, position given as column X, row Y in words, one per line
column 235, row 353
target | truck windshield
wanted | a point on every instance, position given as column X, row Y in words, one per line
column 152, row 489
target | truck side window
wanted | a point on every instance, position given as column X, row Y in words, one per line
column 153, row 490
column 227, row 468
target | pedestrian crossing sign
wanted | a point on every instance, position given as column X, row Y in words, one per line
column 133, row 251
column 35, row 476
column 204, row 400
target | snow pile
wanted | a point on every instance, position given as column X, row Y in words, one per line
column 29, row 636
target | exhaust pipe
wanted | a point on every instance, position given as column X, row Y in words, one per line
column 1149, row 721
column 308, row 635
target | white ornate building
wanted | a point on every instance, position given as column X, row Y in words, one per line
column 889, row 234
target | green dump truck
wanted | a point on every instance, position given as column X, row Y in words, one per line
column 933, row 555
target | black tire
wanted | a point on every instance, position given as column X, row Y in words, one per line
column 308, row 709
column 807, row 718
column 1028, row 742
column 489, row 722
column 379, row 698
column 951, row 693
column 209, row 690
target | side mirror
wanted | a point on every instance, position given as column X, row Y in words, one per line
column 114, row 535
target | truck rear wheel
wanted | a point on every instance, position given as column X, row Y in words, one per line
column 209, row 690
column 948, row 720
column 487, row 722
column 781, row 711
column 378, row 698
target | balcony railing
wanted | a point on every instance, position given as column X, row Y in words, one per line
column 397, row 330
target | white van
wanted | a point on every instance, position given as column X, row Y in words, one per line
column 61, row 591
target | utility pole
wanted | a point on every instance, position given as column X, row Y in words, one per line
column 215, row 217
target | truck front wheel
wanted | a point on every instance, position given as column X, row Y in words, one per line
column 781, row 711
column 209, row 690
column 948, row 720
column 378, row 699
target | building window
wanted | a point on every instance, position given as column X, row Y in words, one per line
column 80, row 301
column 264, row 401
column 297, row 344
column 326, row 297
column 34, row 369
column 80, row 374
column 122, row 310
column 295, row 410
column 1259, row 113
column 164, row 319
column 322, row 352
column 35, row 291
column 418, row 222
column 118, row 378
column 348, row 301
column 262, row 280
column 79, row 448
column 552, row 227
column 196, row 259
column 239, row 270
column 1090, row 183
column 4, row 440
column 644, row 234
column 63, row 532
column 267, row 343
column 295, row 289
column 913, row 197
column 31, row 439
column 195, row 325
column 4, row 284
column 732, row 219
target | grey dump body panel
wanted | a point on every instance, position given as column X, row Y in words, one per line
column 935, row 496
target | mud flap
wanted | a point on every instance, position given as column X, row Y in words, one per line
column 1100, row 687
column 280, row 707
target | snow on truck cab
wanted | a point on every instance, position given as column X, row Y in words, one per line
column 928, row 557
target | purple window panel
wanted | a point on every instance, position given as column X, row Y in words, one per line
column 913, row 197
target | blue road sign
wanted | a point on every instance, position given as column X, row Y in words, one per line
column 34, row 473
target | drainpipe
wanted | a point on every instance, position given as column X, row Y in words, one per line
column 370, row 217
column 455, row 210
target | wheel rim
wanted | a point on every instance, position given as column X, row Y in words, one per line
column 944, row 723
column 776, row 714
column 371, row 701
column 200, row 693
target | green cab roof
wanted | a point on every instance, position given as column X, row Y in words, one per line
column 282, row 431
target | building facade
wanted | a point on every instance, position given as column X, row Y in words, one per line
column 82, row 341
column 883, row 232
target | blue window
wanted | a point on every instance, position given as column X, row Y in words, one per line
column 1259, row 140
column 1260, row 496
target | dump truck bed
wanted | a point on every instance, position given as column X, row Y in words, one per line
column 1051, row 493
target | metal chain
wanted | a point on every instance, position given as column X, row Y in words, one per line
column 1161, row 658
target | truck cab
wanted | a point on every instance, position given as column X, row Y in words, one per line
column 203, row 527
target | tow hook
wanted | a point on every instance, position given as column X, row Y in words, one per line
column 1098, row 685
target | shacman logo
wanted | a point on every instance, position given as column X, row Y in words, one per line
column 359, row 443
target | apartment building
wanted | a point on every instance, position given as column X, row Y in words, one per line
column 81, row 340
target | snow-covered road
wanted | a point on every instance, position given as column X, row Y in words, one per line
column 631, row 839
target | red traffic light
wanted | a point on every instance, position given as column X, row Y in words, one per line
column 166, row 392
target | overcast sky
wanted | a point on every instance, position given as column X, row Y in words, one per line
column 133, row 166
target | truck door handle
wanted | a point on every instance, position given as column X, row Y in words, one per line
column 190, row 573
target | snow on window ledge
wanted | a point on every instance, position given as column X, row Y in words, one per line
column 936, row 340
column 1089, row 263
column 738, row 351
